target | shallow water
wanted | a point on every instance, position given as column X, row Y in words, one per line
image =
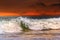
column 32, row 35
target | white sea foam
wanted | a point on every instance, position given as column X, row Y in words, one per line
column 9, row 26
column 39, row 24
column 13, row 25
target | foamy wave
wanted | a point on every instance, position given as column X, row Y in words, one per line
column 39, row 24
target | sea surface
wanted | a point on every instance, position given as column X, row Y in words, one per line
column 34, row 17
column 34, row 35
column 37, row 35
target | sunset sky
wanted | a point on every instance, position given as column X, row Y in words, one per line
column 29, row 7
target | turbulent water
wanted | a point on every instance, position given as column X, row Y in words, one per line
column 12, row 24
column 40, row 24
column 9, row 25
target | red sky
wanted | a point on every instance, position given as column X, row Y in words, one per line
column 29, row 7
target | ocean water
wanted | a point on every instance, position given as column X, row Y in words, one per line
column 32, row 17
column 49, row 35
column 9, row 25
column 7, row 17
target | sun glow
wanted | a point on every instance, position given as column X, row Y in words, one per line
column 8, row 14
column 19, row 14
column 29, row 14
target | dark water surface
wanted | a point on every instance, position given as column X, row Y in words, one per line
column 34, row 17
column 41, row 17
